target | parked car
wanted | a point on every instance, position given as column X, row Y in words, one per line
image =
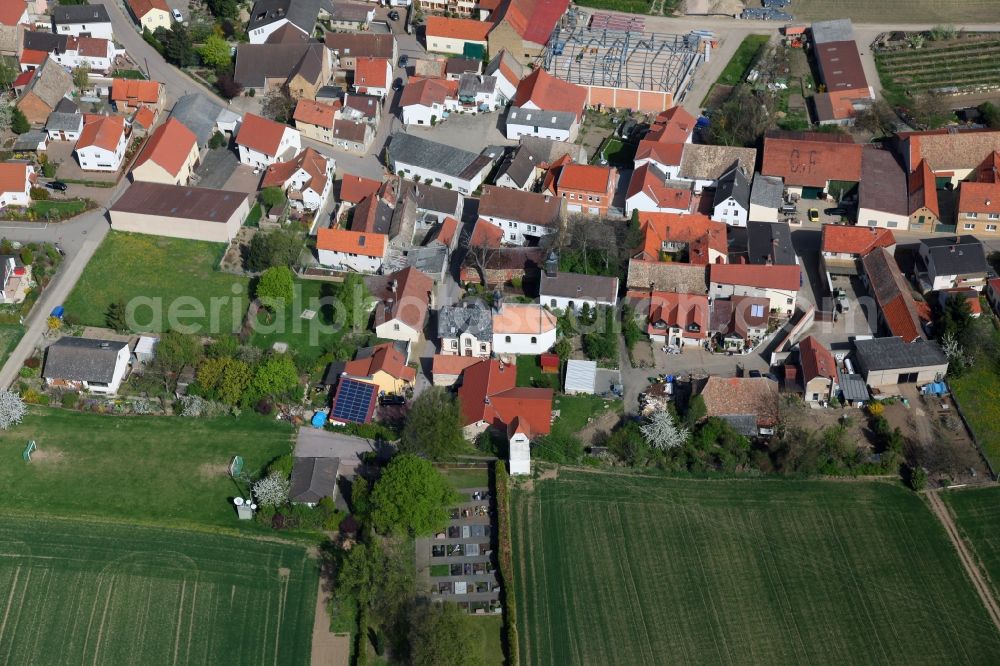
column 397, row 84
column 391, row 399
column 393, row 15
column 813, row 215
column 788, row 209
column 403, row 60
column 176, row 13
column 837, row 210
column 56, row 185
column 755, row 374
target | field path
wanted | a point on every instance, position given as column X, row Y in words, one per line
column 939, row 509
column 328, row 649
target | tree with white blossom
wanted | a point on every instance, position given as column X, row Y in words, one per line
column 663, row 433
column 271, row 490
column 12, row 409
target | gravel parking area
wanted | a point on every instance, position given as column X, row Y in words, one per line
column 216, row 168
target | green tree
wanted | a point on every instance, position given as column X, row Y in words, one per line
column 433, row 426
column 411, row 497
column 563, row 349
column 215, row 52
column 115, row 317
column 174, row 352
column 276, row 376
column 276, row 248
column 7, row 74
column 991, row 114
column 177, row 47
column 18, row 122
column 275, row 287
column 435, row 630
column 917, row 478
column 218, row 140
column 225, row 378
column 272, row 197
column 81, row 77
column 356, row 301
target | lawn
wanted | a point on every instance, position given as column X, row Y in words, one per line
column 529, row 373
column 467, row 478
column 574, row 410
column 106, row 594
column 143, row 469
column 171, row 282
column 59, row 209
column 492, row 645
column 977, row 392
column 977, row 514
column 10, row 335
column 739, row 64
column 618, row 569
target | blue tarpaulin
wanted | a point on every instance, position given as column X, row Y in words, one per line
column 319, row 419
column 935, row 388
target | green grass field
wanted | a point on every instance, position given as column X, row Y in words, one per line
column 738, row 65
column 143, row 469
column 309, row 338
column 632, row 570
column 10, row 335
column 978, row 394
column 896, row 11
column 177, row 278
column 977, row 514
column 77, row 592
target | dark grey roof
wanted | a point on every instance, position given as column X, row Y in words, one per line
column 576, row 285
column 852, row 387
column 179, row 201
column 766, row 191
column 80, row 14
column 883, row 183
column 45, row 41
column 470, row 85
column 548, row 119
column 367, row 105
column 438, row 157
column 256, row 63
column 199, row 114
column 472, row 317
column 436, row 199
column 770, row 243
column 313, row 479
column 837, row 30
column 430, row 260
column 956, row 255
column 891, row 353
column 82, row 359
column 735, row 184
column 66, row 105
column 301, row 13
column 744, row 424
column 29, row 140
column 350, row 11
column 519, row 166
column 462, row 66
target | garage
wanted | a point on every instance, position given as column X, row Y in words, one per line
column 812, row 192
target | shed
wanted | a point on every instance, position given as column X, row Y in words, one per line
column 313, row 479
column 549, row 362
column 853, row 389
column 34, row 141
column 145, row 348
column 581, row 377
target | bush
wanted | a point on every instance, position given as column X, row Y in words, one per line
column 70, row 399
column 33, row 397
column 49, row 169
column 876, row 408
column 282, row 465
column 27, row 256
column 264, row 406
column 218, row 140
column 39, row 194
column 32, row 362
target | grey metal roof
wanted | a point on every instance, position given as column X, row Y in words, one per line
column 82, row 359
column 837, row 30
column 257, row 63
column 301, row 13
column 766, row 191
column 313, row 479
column 581, row 376
column 735, row 184
column 350, row 11
column 852, row 387
column 430, row 260
column 80, row 14
column 892, row 353
column 45, row 41
column 770, row 242
column 470, row 85
column 64, row 121
column 549, row 119
column 472, row 317
column 200, row 114
column 29, row 140
column 744, row 424
column 423, row 153
column 437, row 199
column 577, row 285
column 519, row 166
column 956, row 255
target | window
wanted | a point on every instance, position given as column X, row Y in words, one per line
column 482, row 347
column 993, row 216
column 506, row 338
column 534, row 340
column 893, row 224
column 454, row 344
column 395, row 327
column 756, row 310
column 597, row 199
column 972, row 216
column 991, row 227
column 552, row 303
column 788, row 301
column 968, row 226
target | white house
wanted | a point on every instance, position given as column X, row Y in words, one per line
column 98, row 366
column 731, row 203
column 571, row 291
column 508, row 72
column 343, row 249
column 263, row 142
column 101, row 146
column 651, row 191
column 438, row 164
column 954, row 261
column 465, row 330
column 16, row 180
column 779, row 283
column 402, row 303
column 82, row 21
column 766, row 197
column 425, row 102
column 523, row 217
column 520, row 449
column 556, row 125
column 372, row 76
column 65, row 122
column 94, row 52
column 269, row 16
column 477, row 93
column 523, row 329
column 308, row 179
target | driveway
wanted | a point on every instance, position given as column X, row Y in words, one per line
column 315, row 443
column 216, row 168
column 243, row 179
column 470, row 132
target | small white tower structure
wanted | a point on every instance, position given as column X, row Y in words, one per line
column 520, row 447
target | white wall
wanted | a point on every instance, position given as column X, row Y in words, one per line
column 418, row 114
column 521, row 343
column 520, row 454
column 763, row 213
column 347, row 261
column 644, row 203
column 102, row 30
column 95, row 158
column 516, row 131
column 22, row 198
column 564, row 303
column 868, row 217
column 260, row 35
column 514, row 231
column 777, row 297
column 466, row 342
column 397, row 330
column 439, row 179
column 730, row 212
column 436, row 44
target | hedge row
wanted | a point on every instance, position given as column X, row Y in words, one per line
column 506, row 562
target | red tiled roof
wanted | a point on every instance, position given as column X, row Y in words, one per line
column 989, row 170
column 892, row 295
column 586, row 178
column 697, row 230
column 674, row 125
column 843, row 239
column 169, row 146
column 469, row 30
column 451, row 365
column 410, row 300
column 33, row 57
column 978, row 198
column 427, row 92
column 968, row 293
column 811, row 163
column 144, row 116
column 260, row 134
column 922, row 189
column 732, row 396
column 24, row 78
column 355, row 188
column 533, row 20
column 489, row 393
column 13, row 176
column 667, row 154
column 102, row 131
column 447, row 230
column 762, row 276
column 11, row 11
column 486, row 234
column 316, row 113
column 681, row 311
column 647, row 179
column 309, row 160
column 385, row 358
column 344, row 240
column 371, row 73
column 549, row 93
column 134, row 90
column 523, row 318
column 816, row 360
column 92, row 47
column 142, row 7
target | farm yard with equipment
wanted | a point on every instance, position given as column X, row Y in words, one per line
column 107, row 594
column 740, row 571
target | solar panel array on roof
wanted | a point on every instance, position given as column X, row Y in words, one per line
column 354, row 402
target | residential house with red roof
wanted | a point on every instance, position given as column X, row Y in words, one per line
column 315, row 120
column 14, row 12
column 16, row 181
column 819, row 371
column 355, row 188
column 522, row 217
column 778, row 283
column 101, row 146
column 649, row 190
column 508, row 72
column 262, row 142
column 522, row 328
column 807, row 165
column 348, row 250
column 92, row 52
column 402, row 302
column 922, row 198
column 898, row 313
column 150, row 14
column 426, row 101
column 978, row 208
column 953, row 154
column 372, row 76
column 689, row 239
column 748, row 404
column 841, row 246
column 130, row 94
column 585, row 188
column 523, row 27
column 307, row 179
column 561, row 105
column 678, row 319
column 845, row 87
column 739, row 323
column 450, row 35
column 169, row 156
column 383, row 365
column 447, row 368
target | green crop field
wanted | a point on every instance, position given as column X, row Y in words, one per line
column 76, row 592
column 633, row 570
column 897, row 11
column 977, row 392
column 977, row 514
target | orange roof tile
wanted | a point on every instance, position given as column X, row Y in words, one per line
column 451, row 365
column 811, row 163
column 587, row 178
column 843, row 239
column 922, row 189
column 447, row 230
column 13, row 176
column 649, row 180
column 427, row 92
column 978, row 198
column 309, row 160
column 102, row 131
column 144, row 116
column 408, row 302
column 355, row 188
column 470, row 30
column 316, row 113
column 371, row 73
column 260, row 134
column 169, row 146
column 816, row 360
column 688, row 312
column 385, row 358
column 699, row 232
column 549, row 93
column 92, row 47
column 134, row 91
column 486, row 234
column 489, row 393
column 533, row 20
column 674, row 125
column 762, row 276
column 354, row 242
column 667, row 154
column 11, row 11
column 142, row 7
column 33, row 57
column 523, row 318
